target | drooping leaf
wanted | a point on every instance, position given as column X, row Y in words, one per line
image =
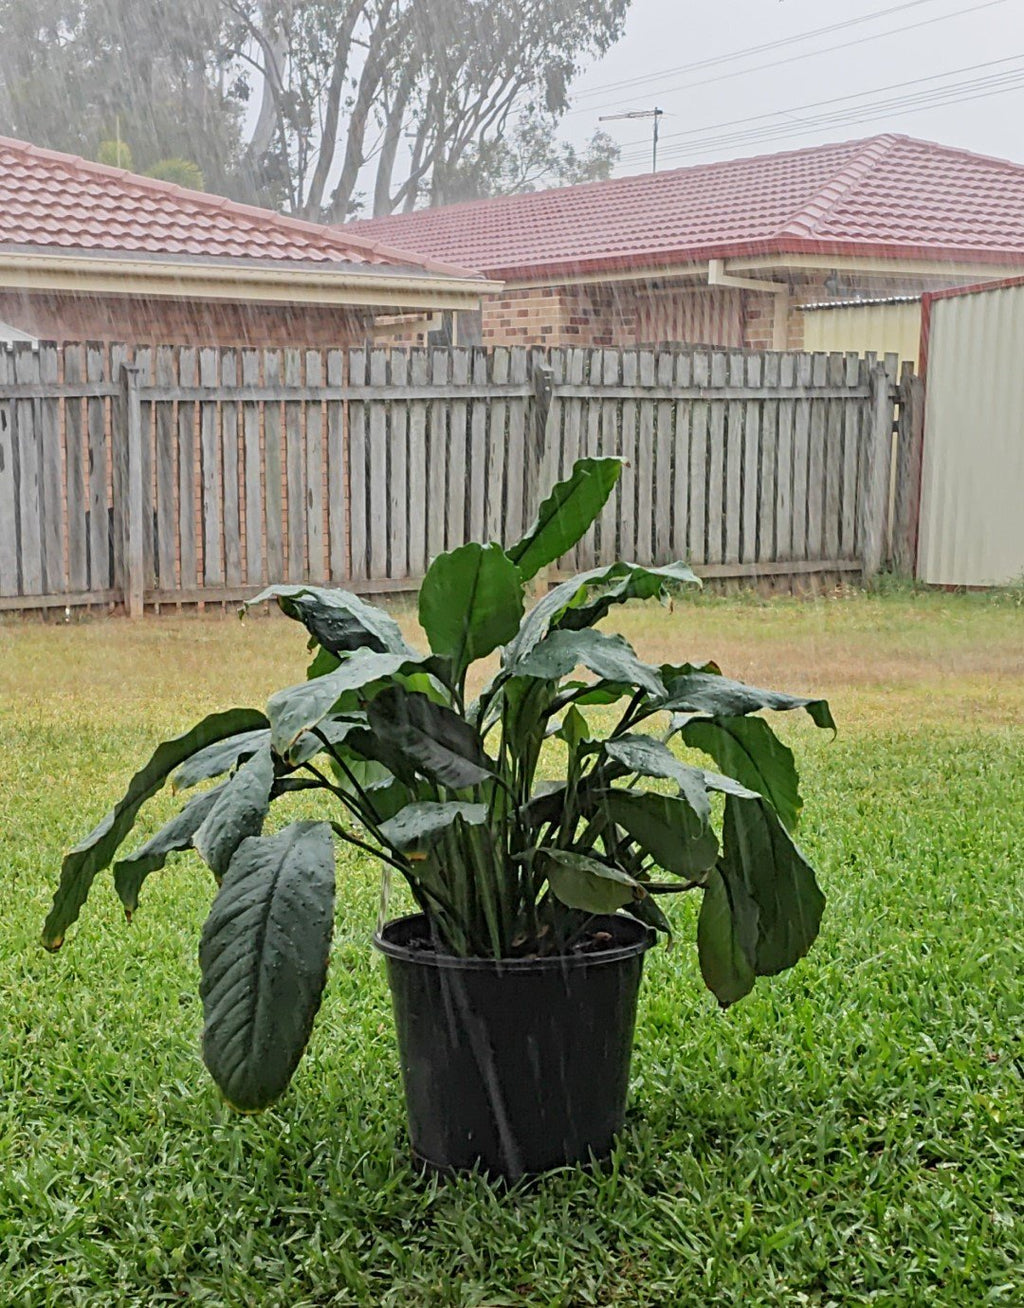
column 701, row 692
column 471, row 601
column 91, row 855
column 611, row 658
column 649, row 912
column 239, row 812
column 651, row 758
column 338, row 620
column 219, row 758
column 175, row 836
column 759, row 855
column 566, row 605
column 727, row 938
column 581, row 882
column 441, row 744
column 298, row 708
column 748, row 750
column 263, row 957
column 665, row 827
column 566, row 515
column 418, row 826
column 335, row 730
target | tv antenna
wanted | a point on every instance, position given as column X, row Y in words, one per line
column 640, row 113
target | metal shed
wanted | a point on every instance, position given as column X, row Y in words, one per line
column 881, row 326
column 971, row 522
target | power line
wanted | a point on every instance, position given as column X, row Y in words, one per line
column 959, row 92
column 753, row 49
column 803, row 55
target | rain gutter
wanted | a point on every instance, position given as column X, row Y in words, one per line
column 318, row 284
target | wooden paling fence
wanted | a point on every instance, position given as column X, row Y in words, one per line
column 185, row 475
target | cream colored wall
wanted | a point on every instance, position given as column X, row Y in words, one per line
column 972, row 474
column 883, row 328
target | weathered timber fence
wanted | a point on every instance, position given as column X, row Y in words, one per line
column 184, row 475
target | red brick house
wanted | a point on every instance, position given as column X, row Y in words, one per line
column 89, row 252
column 726, row 253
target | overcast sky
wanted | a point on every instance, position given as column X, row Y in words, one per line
column 964, row 48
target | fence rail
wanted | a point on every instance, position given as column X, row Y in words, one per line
column 179, row 475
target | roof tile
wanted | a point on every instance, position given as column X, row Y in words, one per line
column 887, row 194
column 53, row 199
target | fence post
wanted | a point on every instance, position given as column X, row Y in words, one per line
column 128, row 500
column 538, row 451
column 910, row 443
column 878, row 465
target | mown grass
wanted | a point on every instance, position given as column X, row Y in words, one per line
column 849, row 1134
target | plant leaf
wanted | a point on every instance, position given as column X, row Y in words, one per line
column 417, row 826
column 471, row 601
column 441, row 744
column 175, row 836
column 91, row 855
column 748, row 750
column 759, row 855
column 566, row 515
column 263, row 956
column 611, row 658
column 298, row 708
column 566, row 604
column 727, row 938
column 701, row 692
column 338, row 620
column 666, row 828
column 581, row 882
column 219, row 758
column 650, row 758
column 336, row 730
column 239, row 812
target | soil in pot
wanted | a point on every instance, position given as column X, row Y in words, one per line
column 515, row 1066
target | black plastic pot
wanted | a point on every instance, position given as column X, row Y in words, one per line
column 515, row 1066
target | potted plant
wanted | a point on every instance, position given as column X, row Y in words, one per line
column 515, row 984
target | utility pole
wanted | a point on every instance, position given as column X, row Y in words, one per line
column 641, row 113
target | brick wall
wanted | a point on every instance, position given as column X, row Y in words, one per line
column 150, row 320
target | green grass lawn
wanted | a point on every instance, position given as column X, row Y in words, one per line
column 848, row 1134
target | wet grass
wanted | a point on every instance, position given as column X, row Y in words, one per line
column 849, row 1134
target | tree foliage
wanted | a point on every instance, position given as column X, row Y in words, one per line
column 324, row 108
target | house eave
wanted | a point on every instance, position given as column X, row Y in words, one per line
column 268, row 282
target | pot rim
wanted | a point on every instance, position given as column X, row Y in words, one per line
column 518, row 966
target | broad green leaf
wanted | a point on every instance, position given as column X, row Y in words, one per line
column 666, row 828
column 441, row 744
column 574, row 728
column 418, row 826
column 566, row 514
column 263, row 957
column 649, row 912
column 700, row 692
column 727, row 938
column 219, row 758
column 335, row 730
column 298, row 708
column 611, row 658
column 566, row 605
column 338, row 620
column 759, row 855
column 239, row 812
column 95, row 852
column 585, row 883
column 172, row 838
column 471, row 601
column 748, row 750
column 650, row 758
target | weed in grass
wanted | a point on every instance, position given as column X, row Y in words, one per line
column 848, row 1135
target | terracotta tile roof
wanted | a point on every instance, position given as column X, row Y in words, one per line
column 889, row 195
column 59, row 203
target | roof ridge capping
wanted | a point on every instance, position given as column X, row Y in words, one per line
column 338, row 239
column 807, row 219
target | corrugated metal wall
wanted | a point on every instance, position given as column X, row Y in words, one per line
column 972, row 474
column 883, row 328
